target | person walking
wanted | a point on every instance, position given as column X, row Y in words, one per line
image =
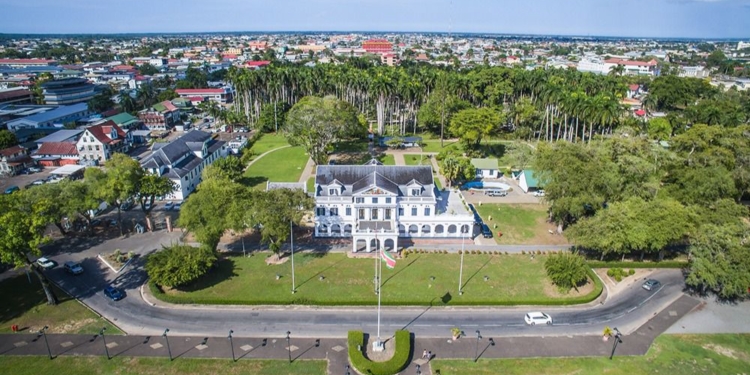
column 429, row 355
column 424, row 354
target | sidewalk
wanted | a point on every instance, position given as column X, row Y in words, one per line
column 334, row 350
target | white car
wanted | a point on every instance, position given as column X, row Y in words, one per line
column 539, row 317
column 177, row 206
column 45, row 263
column 539, row 193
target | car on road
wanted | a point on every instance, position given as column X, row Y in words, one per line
column 168, row 206
column 12, row 189
column 114, row 293
column 177, row 206
column 496, row 193
column 45, row 263
column 539, row 193
column 486, row 232
column 35, row 169
column 651, row 284
column 73, row 268
column 537, row 317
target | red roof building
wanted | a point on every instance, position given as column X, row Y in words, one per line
column 256, row 64
column 13, row 159
column 377, row 46
column 55, row 154
column 99, row 142
column 16, row 95
column 22, row 63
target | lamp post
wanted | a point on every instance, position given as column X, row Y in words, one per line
column 617, row 340
column 476, row 351
column 231, row 344
column 166, row 338
column 461, row 269
column 106, row 349
column 288, row 346
column 291, row 236
column 43, row 333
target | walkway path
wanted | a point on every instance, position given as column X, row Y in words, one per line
column 398, row 157
column 334, row 349
column 264, row 154
column 308, row 171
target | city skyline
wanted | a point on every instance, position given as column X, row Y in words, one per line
column 718, row 19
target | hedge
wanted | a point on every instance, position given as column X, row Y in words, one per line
column 618, row 264
column 398, row 362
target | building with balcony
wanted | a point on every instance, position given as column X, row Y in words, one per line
column 67, row 91
column 375, row 205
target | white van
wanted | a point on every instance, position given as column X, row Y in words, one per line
column 496, row 193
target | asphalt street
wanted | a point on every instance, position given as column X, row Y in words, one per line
column 626, row 310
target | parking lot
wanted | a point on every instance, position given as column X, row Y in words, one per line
column 23, row 180
column 515, row 195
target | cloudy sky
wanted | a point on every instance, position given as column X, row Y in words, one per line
column 639, row 18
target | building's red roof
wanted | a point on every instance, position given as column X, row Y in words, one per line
column 101, row 131
column 194, row 92
column 11, row 94
column 57, row 148
column 634, row 87
column 125, row 68
column 168, row 104
column 26, row 61
column 111, row 112
column 195, row 98
column 11, row 151
column 230, row 56
column 258, row 63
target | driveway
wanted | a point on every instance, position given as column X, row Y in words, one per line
column 22, row 180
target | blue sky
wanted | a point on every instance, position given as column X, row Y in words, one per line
column 640, row 18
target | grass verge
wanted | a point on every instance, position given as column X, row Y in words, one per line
column 418, row 279
column 267, row 142
column 284, row 165
column 25, row 305
column 670, row 354
column 519, row 223
column 30, row 365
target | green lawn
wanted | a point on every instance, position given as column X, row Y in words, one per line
column 25, row 304
column 284, row 165
column 433, row 145
column 349, row 281
column 387, row 159
column 416, row 159
column 29, row 365
column 311, row 184
column 268, row 142
column 670, row 354
column 519, row 223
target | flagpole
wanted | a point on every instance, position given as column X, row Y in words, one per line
column 291, row 235
column 461, row 270
column 380, row 277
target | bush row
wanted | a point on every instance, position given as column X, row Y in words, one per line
column 398, row 362
column 405, row 253
column 617, row 264
column 159, row 294
column 618, row 273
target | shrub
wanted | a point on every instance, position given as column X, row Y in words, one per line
column 631, row 272
column 179, row 264
column 523, row 252
column 460, row 252
column 616, row 273
column 662, row 264
column 398, row 362
column 566, row 270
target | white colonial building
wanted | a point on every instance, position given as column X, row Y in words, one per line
column 375, row 205
column 183, row 160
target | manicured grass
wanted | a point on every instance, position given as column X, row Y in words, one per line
column 311, row 184
column 388, row 159
column 433, row 145
column 25, row 304
column 670, row 354
column 356, row 145
column 284, row 165
column 519, row 223
column 349, row 281
column 29, row 365
column 438, row 184
column 415, row 159
column 268, row 142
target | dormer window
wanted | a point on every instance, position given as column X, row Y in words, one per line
column 333, row 191
column 416, row 192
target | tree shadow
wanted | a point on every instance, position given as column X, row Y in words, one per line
column 223, row 270
column 19, row 296
column 263, row 343
column 476, row 272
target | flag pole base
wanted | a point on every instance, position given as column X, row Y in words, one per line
column 378, row 346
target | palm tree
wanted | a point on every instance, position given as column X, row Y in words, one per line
column 127, row 102
column 617, row 70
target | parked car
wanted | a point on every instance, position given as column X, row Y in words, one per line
column 34, row 169
column 112, row 222
column 45, row 263
column 177, row 206
column 539, row 193
column 38, row 182
column 539, row 317
column 12, row 189
column 168, row 206
column 114, row 293
column 486, row 232
column 651, row 284
column 127, row 205
column 496, row 193
column 73, row 268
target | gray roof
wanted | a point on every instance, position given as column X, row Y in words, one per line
column 59, row 112
column 188, row 143
column 60, row 135
column 358, row 178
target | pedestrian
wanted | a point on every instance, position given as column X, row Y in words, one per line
column 429, row 355
column 424, row 354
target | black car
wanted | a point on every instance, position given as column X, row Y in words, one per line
column 114, row 293
column 486, row 232
column 651, row 284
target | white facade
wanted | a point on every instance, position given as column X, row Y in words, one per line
column 375, row 205
column 693, row 72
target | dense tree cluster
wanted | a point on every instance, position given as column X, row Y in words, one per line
column 178, row 265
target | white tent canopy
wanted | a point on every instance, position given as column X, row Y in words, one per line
column 68, row 170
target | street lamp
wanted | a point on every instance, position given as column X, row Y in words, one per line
column 43, row 332
column 289, row 348
column 106, row 349
column 231, row 344
column 476, row 351
column 617, row 340
column 169, row 350
column 347, row 370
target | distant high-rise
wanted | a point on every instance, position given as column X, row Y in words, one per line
column 67, row 91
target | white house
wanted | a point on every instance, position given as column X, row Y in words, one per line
column 183, row 160
column 99, row 142
column 375, row 205
column 237, row 144
column 527, row 180
column 485, row 168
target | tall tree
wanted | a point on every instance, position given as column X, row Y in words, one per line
column 472, row 125
column 117, row 183
column 7, row 139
